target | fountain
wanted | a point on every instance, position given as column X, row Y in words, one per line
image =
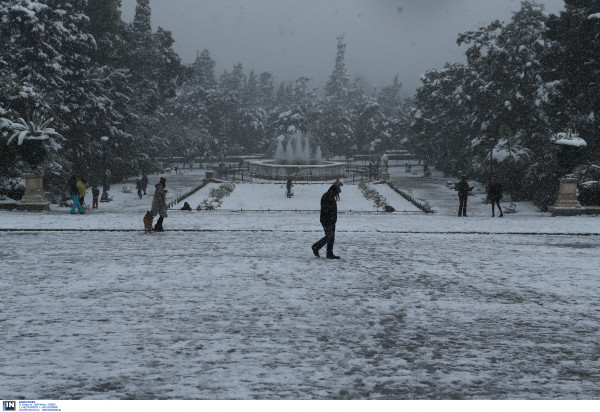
column 295, row 160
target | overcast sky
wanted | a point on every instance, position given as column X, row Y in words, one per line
column 293, row 38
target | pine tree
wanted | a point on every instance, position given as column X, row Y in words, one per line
column 251, row 93
column 141, row 21
column 575, row 54
column 338, row 83
column 204, row 70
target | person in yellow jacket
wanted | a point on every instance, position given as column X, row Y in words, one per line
column 81, row 188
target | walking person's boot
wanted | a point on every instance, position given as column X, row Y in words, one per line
column 315, row 251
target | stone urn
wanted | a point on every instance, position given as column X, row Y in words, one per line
column 567, row 204
column 34, row 152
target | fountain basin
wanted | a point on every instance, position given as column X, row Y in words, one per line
column 273, row 170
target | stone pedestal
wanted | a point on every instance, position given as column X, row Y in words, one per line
column 34, row 198
column 567, row 204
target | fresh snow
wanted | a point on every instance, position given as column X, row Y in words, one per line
column 233, row 305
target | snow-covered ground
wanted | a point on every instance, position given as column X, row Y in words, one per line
column 232, row 304
column 271, row 196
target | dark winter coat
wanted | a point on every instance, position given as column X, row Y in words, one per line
column 329, row 206
column 73, row 186
column 463, row 188
column 494, row 191
column 159, row 203
column 95, row 191
column 144, row 181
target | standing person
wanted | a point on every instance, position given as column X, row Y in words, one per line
column 74, row 193
column 288, row 186
column 463, row 193
column 138, row 186
column 328, row 220
column 95, row 194
column 494, row 191
column 159, row 204
column 144, row 183
column 81, row 186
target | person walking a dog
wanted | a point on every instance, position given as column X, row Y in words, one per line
column 159, row 204
column 328, row 220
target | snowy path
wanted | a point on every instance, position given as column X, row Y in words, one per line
column 255, row 315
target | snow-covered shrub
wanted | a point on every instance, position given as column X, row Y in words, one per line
column 589, row 193
column 215, row 197
column 13, row 188
column 379, row 201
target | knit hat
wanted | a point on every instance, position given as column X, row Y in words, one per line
column 162, row 180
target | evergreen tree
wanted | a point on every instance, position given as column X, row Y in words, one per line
column 141, row 21
column 251, row 92
column 265, row 89
column 204, row 70
column 575, row 36
column 338, row 83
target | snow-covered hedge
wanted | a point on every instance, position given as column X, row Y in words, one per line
column 215, row 197
column 379, row 201
column 13, row 188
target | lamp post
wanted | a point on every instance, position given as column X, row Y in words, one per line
column 105, row 188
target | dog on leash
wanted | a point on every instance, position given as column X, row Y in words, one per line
column 148, row 222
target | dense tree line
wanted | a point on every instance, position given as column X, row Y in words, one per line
column 120, row 97
column 523, row 82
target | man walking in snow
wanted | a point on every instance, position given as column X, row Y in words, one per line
column 288, row 186
column 138, row 186
column 463, row 194
column 328, row 220
column 159, row 204
column 144, row 183
column 494, row 192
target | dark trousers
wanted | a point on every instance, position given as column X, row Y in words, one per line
column 329, row 238
column 462, row 206
column 158, row 225
column 496, row 202
column 94, row 203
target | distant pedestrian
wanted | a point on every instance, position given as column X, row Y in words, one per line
column 289, row 186
column 328, row 220
column 463, row 189
column 159, row 204
column 176, row 169
column 95, row 194
column 138, row 186
column 81, row 186
column 74, row 193
column 494, row 192
column 186, row 206
column 144, row 183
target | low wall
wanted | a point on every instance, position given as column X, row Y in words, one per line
column 326, row 171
